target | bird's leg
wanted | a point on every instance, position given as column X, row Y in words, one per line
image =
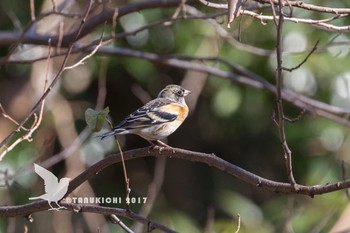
column 59, row 206
column 152, row 143
column 56, row 208
column 155, row 143
column 162, row 144
column 52, row 208
column 159, row 143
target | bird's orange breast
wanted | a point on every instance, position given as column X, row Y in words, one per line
column 180, row 110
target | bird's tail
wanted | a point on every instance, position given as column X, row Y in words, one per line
column 34, row 198
column 112, row 133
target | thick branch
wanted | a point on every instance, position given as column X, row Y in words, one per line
column 313, row 106
column 209, row 159
column 26, row 210
column 245, row 77
column 30, row 37
column 213, row 161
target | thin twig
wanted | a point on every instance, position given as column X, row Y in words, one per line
column 83, row 136
column 153, row 190
column 32, row 10
column 54, row 8
column 280, row 113
column 343, row 174
column 102, row 88
column 210, row 220
column 54, row 81
column 298, row 4
column 114, row 23
column 239, row 223
column 310, row 7
column 37, row 120
column 297, row 118
column 305, row 59
column 81, row 61
column 7, row 116
column 127, row 180
column 116, row 220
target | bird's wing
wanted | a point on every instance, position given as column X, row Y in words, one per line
column 153, row 113
column 50, row 180
column 60, row 190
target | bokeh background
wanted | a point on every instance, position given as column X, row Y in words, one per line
column 232, row 121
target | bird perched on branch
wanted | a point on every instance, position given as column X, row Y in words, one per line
column 158, row 118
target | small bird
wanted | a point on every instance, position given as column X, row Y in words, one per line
column 54, row 190
column 158, row 118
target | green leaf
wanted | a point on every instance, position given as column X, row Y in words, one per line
column 96, row 119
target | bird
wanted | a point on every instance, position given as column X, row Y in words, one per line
column 54, row 190
column 158, row 118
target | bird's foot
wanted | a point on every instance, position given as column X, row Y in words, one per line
column 56, row 208
column 158, row 143
column 162, row 144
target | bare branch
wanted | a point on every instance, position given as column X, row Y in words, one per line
column 37, row 120
column 209, row 159
column 310, row 7
column 116, row 220
column 54, row 81
column 29, row 209
column 279, row 81
column 322, row 23
column 239, row 223
column 7, row 116
column 153, row 190
column 305, row 59
column 32, row 10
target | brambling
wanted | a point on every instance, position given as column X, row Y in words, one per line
column 158, row 118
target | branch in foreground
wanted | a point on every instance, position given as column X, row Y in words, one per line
column 209, row 159
column 279, row 104
column 213, row 161
column 28, row 209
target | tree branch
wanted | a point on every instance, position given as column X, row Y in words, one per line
column 55, row 79
column 28, row 209
column 244, row 77
column 279, row 103
column 209, row 159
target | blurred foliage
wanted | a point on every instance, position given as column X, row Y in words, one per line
column 96, row 119
column 232, row 121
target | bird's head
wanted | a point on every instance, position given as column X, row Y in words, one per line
column 174, row 93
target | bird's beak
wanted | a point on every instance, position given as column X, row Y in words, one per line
column 187, row 92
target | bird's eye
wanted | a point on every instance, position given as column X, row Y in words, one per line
column 179, row 93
